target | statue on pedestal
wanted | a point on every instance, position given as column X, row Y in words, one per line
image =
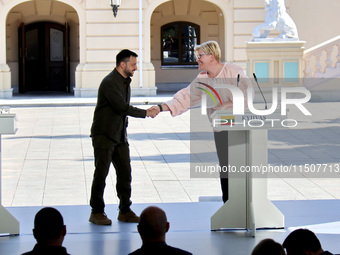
column 276, row 17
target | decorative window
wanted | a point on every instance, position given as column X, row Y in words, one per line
column 178, row 43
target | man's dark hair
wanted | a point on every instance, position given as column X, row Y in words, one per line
column 124, row 56
column 302, row 240
column 268, row 247
column 48, row 224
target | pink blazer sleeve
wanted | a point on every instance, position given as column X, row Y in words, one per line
column 184, row 99
column 191, row 96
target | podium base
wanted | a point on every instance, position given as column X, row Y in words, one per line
column 248, row 206
column 9, row 225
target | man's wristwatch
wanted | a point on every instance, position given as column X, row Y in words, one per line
column 160, row 107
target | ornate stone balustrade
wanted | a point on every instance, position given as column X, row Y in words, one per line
column 320, row 57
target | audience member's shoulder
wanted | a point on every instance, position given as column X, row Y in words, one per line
column 164, row 250
column 177, row 251
column 50, row 250
column 136, row 252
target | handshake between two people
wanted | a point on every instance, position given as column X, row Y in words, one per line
column 155, row 110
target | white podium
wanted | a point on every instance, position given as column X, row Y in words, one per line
column 9, row 225
column 248, row 206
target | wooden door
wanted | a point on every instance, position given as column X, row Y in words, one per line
column 44, row 62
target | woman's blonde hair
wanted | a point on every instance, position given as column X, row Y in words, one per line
column 210, row 47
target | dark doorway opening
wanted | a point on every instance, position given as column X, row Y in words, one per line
column 44, row 57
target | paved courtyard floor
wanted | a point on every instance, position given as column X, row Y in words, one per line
column 49, row 161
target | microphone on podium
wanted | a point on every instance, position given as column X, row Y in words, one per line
column 238, row 80
column 258, row 85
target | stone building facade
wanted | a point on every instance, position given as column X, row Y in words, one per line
column 70, row 45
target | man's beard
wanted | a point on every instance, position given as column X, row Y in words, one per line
column 128, row 73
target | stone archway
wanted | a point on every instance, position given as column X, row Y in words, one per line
column 209, row 15
column 15, row 13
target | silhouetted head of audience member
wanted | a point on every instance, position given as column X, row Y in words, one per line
column 49, row 228
column 302, row 242
column 268, row 247
column 153, row 225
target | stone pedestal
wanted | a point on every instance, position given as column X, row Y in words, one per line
column 276, row 62
column 9, row 225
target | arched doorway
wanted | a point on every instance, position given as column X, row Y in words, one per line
column 33, row 24
column 44, row 57
column 175, row 69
